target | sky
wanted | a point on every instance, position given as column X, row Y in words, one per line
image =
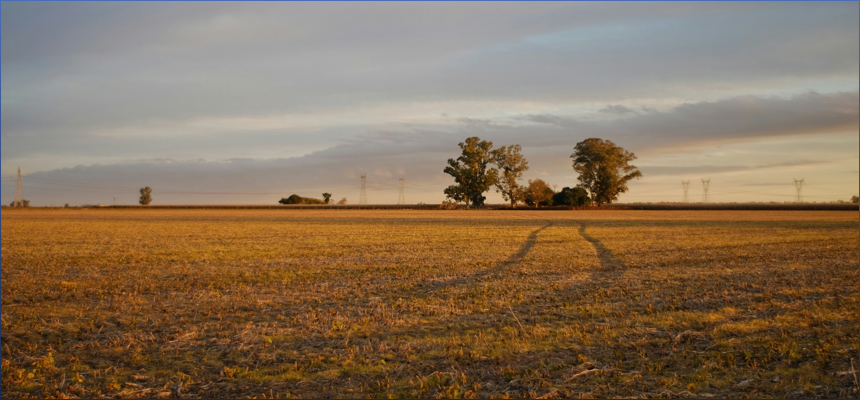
column 246, row 103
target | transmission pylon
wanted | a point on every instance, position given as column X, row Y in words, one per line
column 798, row 186
column 401, row 198
column 362, row 198
column 19, row 192
column 705, row 185
column 686, row 186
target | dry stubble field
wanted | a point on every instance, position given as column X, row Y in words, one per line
column 301, row 303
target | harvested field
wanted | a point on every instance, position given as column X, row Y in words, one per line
column 399, row 303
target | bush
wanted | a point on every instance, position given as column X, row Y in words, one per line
column 296, row 199
column 25, row 203
column 448, row 204
column 575, row 197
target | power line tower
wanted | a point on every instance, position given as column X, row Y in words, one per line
column 686, row 186
column 798, row 186
column 705, row 185
column 19, row 191
column 362, row 198
column 401, row 198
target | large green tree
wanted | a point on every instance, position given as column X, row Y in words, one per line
column 471, row 172
column 511, row 166
column 603, row 169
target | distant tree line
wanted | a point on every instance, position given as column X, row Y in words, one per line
column 603, row 168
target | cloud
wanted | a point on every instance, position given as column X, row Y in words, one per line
column 738, row 118
column 656, row 170
column 616, row 109
column 94, row 80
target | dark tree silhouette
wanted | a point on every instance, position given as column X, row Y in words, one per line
column 145, row 196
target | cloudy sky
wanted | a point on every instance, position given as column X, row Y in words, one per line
column 212, row 103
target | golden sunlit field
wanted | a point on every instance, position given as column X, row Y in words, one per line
column 379, row 304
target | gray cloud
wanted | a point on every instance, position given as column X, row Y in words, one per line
column 653, row 170
column 616, row 109
column 74, row 68
column 739, row 118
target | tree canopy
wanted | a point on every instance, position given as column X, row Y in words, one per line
column 145, row 196
column 511, row 165
column 576, row 197
column 471, row 172
column 538, row 193
column 603, row 169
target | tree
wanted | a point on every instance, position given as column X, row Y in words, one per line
column 293, row 199
column 342, row 201
column 511, row 166
column 855, row 199
column 576, row 197
column 470, row 172
column 538, row 193
column 145, row 196
column 22, row 203
column 603, row 169
column 327, row 197
column 296, row 199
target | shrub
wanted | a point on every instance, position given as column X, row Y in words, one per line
column 296, row 199
column 576, row 197
column 448, row 204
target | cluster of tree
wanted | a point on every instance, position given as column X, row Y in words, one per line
column 539, row 194
column 603, row 168
column 296, row 199
column 22, row 203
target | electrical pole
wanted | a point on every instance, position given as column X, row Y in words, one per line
column 686, row 186
column 362, row 198
column 798, row 186
column 705, row 185
column 401, row 198
column 19, row 192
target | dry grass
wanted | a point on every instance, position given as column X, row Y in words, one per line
column 257, row 303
